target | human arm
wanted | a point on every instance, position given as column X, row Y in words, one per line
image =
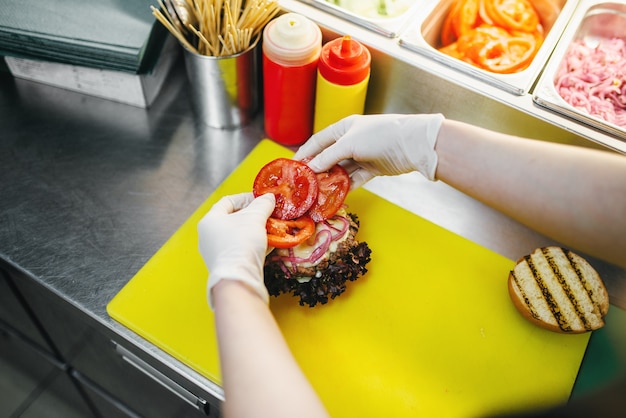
column 260, row 375
column 574, row 195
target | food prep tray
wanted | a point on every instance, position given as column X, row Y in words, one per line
column 591, row 19
column 363, row 13
column 423, row 37
column 429, row 331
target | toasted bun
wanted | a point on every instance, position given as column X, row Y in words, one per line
column 559, row 290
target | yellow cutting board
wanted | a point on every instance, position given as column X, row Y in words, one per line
column 428, row 331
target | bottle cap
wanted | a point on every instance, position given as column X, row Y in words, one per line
column 292, row 39
column 344, row 61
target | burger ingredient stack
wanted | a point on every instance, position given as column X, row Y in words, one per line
column 316, row 251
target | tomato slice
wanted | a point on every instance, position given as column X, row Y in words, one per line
column 334, row 185
column 288, row 233
column 292, row 182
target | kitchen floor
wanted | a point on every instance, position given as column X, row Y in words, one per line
column 32, row 387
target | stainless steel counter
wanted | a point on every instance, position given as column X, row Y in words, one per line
column 91, row 189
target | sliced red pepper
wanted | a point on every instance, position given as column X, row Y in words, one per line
column 500, row 36
column 517, row 15
column 466, row 17
column 288, row 233
column 507, row 55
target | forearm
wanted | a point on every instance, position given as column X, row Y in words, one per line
column 260, row 375
column 576, row 196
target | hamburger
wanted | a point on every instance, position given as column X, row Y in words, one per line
column 559, row 291
column 314, row 238
column 318, row 269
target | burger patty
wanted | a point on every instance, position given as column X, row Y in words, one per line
column 327, row 279
column 302, row 271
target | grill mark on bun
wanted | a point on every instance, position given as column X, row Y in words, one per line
column 550, row 255
column 593, row 299
column 528, row 290
column 543, row 284
column 524, row 296
column 574, row 261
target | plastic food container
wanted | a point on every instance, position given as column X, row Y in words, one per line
column 592, row 21
column 423, row 37
column 343, row 73
column 385, row 17
column 291, row 50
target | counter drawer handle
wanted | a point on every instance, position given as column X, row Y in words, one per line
column 162, row 379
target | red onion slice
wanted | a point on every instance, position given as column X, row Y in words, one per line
column 592, row 78
column 330, row 232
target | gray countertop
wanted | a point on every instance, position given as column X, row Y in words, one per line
column 92, row 189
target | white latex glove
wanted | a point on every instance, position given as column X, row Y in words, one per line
column 376, row 145
column 233, row 241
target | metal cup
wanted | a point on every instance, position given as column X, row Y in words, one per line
column 224, row 90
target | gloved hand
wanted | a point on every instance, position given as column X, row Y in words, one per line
column 376, row 145
column 233, row 241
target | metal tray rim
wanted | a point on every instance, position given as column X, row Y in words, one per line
column 390, row 27
column 546, row 96
column 517, row 83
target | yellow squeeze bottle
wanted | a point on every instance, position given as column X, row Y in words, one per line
column 343, row 74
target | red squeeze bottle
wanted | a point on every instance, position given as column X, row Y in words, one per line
column 291, row 49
